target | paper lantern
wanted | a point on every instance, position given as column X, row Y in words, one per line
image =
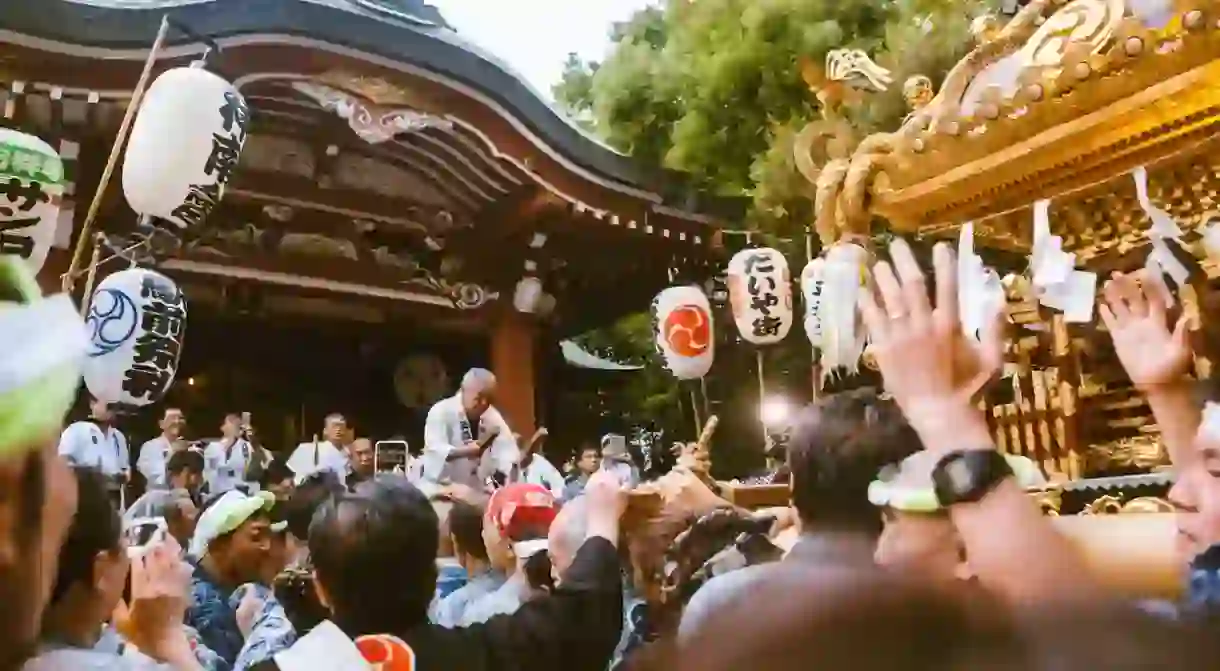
column 682, row 326
column 184, row 146
column 812, row 280
column 528, row 294
column 760, row 292
column 31, row 190
column 137, row 321
column 844, row 280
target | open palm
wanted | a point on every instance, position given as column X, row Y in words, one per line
column 1136, row 316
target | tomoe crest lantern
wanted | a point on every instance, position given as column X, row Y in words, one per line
column 682, row 327
column 760, row 293
column 137, row 322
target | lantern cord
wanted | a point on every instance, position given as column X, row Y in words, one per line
column 92, row 276
column 122, row 253
column 762, row 391
column 694, row 408
column 707, row 405
column 137, row 95
column 209, row 43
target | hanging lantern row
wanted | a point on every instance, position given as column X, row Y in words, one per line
column 760, row 295
column 183, row 148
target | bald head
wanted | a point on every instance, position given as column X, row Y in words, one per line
column 567, row 534
column 478, row 391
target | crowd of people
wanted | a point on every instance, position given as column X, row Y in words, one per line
column 910, row 541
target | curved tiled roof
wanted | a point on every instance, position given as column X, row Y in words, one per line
column 407, row 31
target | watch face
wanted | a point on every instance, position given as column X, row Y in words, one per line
column 960, row 474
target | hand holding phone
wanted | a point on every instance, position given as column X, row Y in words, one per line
column 143, row 534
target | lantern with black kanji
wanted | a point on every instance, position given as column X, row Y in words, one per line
column 812, row 281
column 31, row 190
column 760, row 293
column 184, row 146
column 136, row 321
column 682, row 326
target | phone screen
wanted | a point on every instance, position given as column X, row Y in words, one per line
column 387, row 454
column 143, row 534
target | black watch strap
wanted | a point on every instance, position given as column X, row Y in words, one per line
column 966, row 476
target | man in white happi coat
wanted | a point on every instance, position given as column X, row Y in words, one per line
column 226, row 460
column 451, row 451
column 329, row 454
column 154, row 454
column 97, row 443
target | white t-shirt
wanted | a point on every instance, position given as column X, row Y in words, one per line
column 542, row 472
column 86, row 444
column 320, row 456
column 152, row 460
column 225, row 472
column 447, row 429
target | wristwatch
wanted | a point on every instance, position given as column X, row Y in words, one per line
column 966, row 476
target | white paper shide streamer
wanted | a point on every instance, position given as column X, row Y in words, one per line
column 184, row 146
column 843, row 333
column 31, row 191
column 1162, row 232
column 1057, row 282
column 682, row 326
column 760, row 292
column 137, row 321
column 813, row 279
column 980, row 292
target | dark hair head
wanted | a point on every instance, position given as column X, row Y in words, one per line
column 276, row 472
column 466, row 526
column 384, row 533
column 838, row 446
column 298, row 511
column 184, row 460
column 800, row 621
column 95, row 528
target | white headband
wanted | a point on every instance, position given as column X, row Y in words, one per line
column 527, row 549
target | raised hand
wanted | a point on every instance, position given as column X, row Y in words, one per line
column 160, row 588
column 1136, row 315
column 247, row 612
column 926, row 360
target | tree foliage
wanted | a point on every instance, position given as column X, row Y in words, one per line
column 714, row 88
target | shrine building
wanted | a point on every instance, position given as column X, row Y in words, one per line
column 406, row 206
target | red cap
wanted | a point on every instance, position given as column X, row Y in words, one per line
column 519, row 505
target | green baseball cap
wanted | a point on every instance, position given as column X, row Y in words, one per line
column 230, row 511
column 907, row 486
column 43, row 344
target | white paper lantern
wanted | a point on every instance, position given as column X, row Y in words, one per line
column 812, row 280
column 31, row 190
column 682, row 326
column 184, row 146
column 137, row 321
column 844, row 280
column 760, row 292
column 528, row 294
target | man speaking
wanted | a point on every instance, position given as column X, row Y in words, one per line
column 466, row 440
